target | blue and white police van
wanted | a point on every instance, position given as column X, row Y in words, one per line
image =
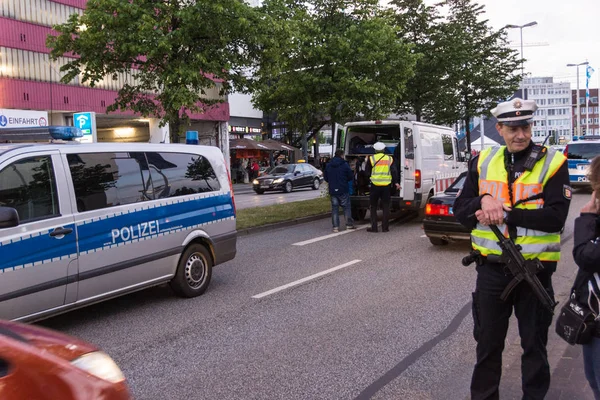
column 580, row 154
column 81, row 223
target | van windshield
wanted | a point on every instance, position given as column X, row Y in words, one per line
column 583, row 151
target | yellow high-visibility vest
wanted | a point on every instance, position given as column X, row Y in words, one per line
column 381, row 174
column 493, row 179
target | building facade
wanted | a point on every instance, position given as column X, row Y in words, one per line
column 553, row 119
column 588, row 113
column 29, row 80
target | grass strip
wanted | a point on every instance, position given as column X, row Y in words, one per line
column 257, row 216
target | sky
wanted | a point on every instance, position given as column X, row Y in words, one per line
column 567, row 32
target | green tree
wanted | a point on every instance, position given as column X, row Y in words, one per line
column 175, row 52
column 484, row 70
column 333, row 61
column 419, row 24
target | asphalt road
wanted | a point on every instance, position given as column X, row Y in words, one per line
column 388, row 318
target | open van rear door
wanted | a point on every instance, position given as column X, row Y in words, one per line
column 407, row 162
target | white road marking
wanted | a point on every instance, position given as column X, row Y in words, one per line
column 423, row 235
column 317, row 239
column 308, row 278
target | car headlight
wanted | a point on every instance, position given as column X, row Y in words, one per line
column 255, row 182
column 278, row 180
column 100, row 365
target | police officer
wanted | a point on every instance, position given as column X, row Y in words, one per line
column 382, row 176
column 524, row 189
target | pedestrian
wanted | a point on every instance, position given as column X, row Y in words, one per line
column 382, row 177
column 586, row 253
column 337, row 174
column 255, row 168
column 523, row 189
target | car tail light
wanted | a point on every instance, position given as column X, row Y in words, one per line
column 231, row 190
column 566, row 151
column 417, row 179
column 437, row 209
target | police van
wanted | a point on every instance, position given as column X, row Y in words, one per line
column 580, row 154
column 80, row 223
column 426, row 157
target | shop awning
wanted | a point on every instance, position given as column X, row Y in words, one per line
column 247, row 144
column 278, row 145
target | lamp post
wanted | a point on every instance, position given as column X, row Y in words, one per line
column 520, row 27
column 577, row 97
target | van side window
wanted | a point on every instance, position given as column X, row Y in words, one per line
column 409, row 144
column 108, row 179
column 180, row 174
column 28, row 185
column 448, row 151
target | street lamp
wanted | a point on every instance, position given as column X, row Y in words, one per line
column 520, row 27
column 577, row 97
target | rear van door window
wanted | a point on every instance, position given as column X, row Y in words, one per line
column 180, row 174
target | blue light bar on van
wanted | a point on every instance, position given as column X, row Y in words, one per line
column 65, row 132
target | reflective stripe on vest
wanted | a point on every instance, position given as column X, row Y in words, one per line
column 493, row 179
column 381, row 174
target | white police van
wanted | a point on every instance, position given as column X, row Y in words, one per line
column 80, row 223
column 580, row 154
column 426, row 156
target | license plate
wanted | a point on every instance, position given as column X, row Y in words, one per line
column 264, row 186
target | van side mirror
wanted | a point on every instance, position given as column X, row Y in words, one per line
column 9, row 217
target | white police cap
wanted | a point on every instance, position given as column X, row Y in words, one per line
column 515, row 112
column 379, row 146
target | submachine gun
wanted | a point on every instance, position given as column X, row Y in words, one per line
column 520, row 268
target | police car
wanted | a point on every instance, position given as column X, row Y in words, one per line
column 580, row 154
column 80, row 223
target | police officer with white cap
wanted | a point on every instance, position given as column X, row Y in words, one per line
column 383, row 176
column 522, row 188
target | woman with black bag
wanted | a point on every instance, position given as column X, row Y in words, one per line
column 586, row 252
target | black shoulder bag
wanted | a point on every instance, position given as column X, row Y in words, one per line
column 576, row 322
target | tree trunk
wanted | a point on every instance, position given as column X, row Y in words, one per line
column 174, row 127
column 304, row 146
column 468, row 135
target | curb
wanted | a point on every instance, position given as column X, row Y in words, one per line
column 282, row 224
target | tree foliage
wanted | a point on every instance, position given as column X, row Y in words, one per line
column 332, row 61
column 484, row 70
column 176, row 51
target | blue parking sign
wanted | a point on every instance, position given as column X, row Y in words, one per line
column 86, row 121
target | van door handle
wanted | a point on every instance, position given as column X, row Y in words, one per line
column 61, row 231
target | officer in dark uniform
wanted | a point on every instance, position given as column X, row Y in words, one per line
column 523, row 189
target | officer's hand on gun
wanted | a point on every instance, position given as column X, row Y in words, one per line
column 492, row 211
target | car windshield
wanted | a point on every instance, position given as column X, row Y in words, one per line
column 583, row 151
column 282, row 169
column 457, row 184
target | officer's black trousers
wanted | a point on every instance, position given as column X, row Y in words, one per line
column 490, row 317
column 383, row 193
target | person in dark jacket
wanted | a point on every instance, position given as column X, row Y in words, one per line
column 337, row 174
column 586, row 253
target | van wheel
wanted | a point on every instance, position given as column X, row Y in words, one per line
column 287, row 187
column 193, row 271
column 358, row 214
column 438, row 241
column 316, row 184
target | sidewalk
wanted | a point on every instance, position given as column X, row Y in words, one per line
column 568, row 380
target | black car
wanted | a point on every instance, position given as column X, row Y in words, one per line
column 440, row 224
column 287, row 177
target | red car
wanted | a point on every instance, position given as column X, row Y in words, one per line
column 37, row 363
